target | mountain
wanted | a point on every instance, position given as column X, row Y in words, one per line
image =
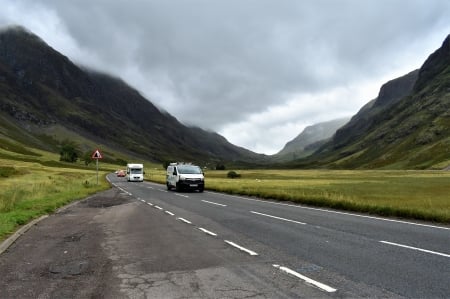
column 310, row 139
column 406, row 127
column 44, row 98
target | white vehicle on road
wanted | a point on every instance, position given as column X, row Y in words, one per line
column 135, row 172
column 184, row 176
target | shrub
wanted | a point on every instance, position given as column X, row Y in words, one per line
column 233, row 174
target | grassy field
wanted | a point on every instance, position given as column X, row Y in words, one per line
column 421, row 195
column 32, row 189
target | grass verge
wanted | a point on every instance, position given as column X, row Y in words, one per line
column 30, row 190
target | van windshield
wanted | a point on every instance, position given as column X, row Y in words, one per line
column 189, row 169
column 136, row 170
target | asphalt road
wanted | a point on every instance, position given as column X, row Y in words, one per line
column 141, row 241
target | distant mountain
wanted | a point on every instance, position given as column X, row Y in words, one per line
column 406, row 127
column 389, row 94
column 310, row 139
column 45, row 98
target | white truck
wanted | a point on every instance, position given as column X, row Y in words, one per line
column 135, row 172
column 185, row 176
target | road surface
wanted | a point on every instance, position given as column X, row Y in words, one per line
column 139, row 240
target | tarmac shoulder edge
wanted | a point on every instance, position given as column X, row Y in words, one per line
column 9, row 241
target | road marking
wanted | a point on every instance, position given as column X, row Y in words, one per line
column 241, row 248
column 207, row 231
column 334, row 212
column 416, row 248
column 149, row 187
column 162, row 190
column 123, row 190
column 182, row 195
column 184, row 220
column 170, row 213
column 214, row 203
column 157, row 207
column 279, row 218
column 307, row 279
column 150, row 204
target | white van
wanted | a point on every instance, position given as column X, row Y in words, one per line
column 135, row 172
column 185, row 176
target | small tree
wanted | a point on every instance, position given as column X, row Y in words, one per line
column 220, row 166
column 166, row 164
column 69, row 151
column 87, row 158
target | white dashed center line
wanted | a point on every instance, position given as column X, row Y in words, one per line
column 170, row 213
column 214, row 203
column 157, row 207
column 182, row 195
column 416, row 248
column 279, row 218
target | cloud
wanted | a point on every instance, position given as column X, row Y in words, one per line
column 256, row 71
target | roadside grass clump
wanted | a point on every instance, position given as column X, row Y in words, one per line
column 7, row 171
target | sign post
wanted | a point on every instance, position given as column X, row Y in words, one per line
column 97, row 155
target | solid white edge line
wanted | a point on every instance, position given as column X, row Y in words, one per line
column 207, row 232
column 184, row 220
column 157, row 207
column 214, row 203
column 307, row 279
column 240, row 247
column 416, row 248
column 170, row 213
column 336, row 212
column 279, row 218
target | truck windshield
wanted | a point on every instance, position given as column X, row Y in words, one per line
column 189, row 169
column 136, row 170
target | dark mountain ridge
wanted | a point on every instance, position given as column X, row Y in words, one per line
column 40, row 88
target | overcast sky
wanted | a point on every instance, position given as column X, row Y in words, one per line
column 258, row 72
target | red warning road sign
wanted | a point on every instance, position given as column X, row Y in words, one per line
column 96, row 155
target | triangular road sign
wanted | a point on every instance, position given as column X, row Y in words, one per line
column 96, row 155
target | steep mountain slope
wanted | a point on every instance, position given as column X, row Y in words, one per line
column 40, row 89
column 309, row 140
column 407, row 126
